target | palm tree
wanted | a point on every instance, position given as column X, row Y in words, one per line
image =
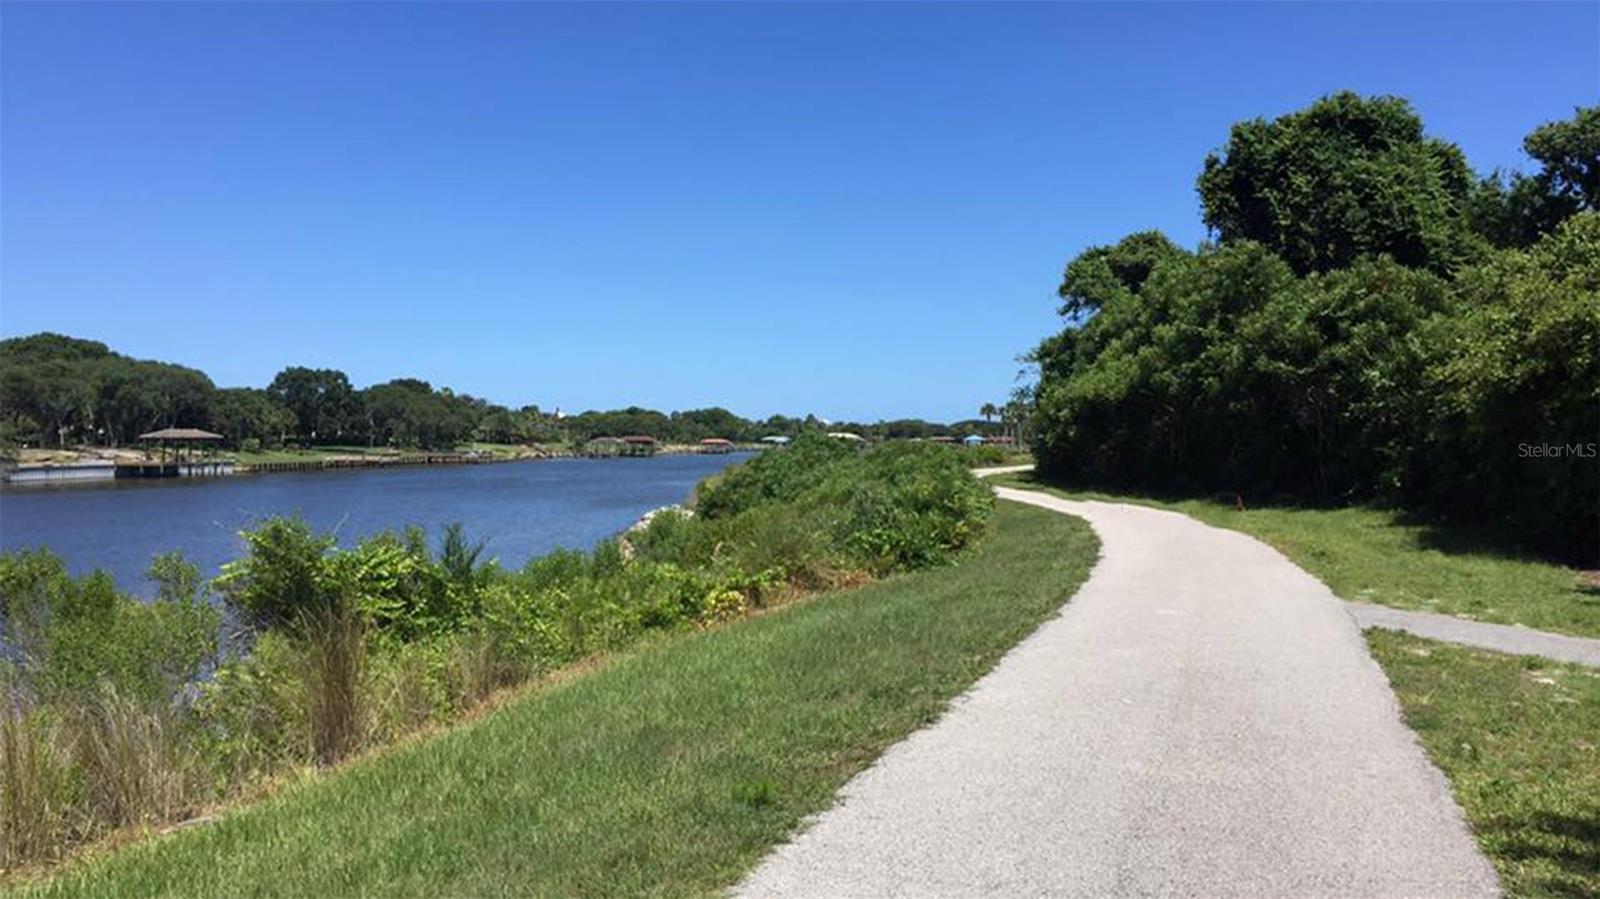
column 988, row 411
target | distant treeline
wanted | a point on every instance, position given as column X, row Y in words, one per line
column 58, row 391
column 1374, row 321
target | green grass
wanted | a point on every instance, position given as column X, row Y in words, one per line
column 327, row 452
column 298, row 455
column 669, row 771
column 1375, row 555
column 1519, row 738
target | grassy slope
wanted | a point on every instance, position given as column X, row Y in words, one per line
column 668, row 772
column 1520, row 741
column 1370, row 555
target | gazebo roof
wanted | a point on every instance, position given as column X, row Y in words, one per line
column 180, row 434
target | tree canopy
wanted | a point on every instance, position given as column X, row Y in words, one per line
column 1351, row 337
column 1347, row 176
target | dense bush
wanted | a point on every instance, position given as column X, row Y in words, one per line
column 118, row 712
column 71, row 634
column 1515, row 388
column 1225, row 372
column 898, row 505
column 1381, row 353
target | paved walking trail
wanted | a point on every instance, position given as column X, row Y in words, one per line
column 1202, row 720
column 1481, row 634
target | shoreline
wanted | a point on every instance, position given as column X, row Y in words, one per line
column 100, row 468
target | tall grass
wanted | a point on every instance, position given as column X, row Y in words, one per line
column 32, row 796
column 135, row 769
column 335, row 657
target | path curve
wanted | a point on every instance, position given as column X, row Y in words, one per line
column 1203, row 719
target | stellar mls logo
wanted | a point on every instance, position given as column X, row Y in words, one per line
column 1557, row 450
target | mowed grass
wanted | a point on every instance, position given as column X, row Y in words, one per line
column 1519, row 738
column 669, row 771
column 1375, row 555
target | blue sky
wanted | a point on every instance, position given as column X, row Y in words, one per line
column 859, row 211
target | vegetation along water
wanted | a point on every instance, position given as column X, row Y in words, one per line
column 122, row 714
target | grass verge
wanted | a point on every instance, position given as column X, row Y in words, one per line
column 1519, row 738
column 670, row 771
column 1374, row 555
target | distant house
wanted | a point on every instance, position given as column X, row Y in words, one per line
column 716, row 445
column 638, row 445
column 609, row 447
column 846, row 435
column 973, row 440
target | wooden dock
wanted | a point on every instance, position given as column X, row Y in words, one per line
column 366, row 462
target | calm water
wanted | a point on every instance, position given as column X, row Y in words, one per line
column 524, row 509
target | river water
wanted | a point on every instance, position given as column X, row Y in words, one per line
column 524, row 509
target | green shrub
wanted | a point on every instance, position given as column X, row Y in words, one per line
column 776, row 476
column 77, row 633
column 252, row 713
column 282, row 575
column 899, row 505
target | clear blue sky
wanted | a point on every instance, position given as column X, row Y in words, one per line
column 860, row 211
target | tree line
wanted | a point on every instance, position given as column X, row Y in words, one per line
column 58, row 391
column 1373, row 321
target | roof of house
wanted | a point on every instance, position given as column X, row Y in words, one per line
column 180, row 434
column 717, row 441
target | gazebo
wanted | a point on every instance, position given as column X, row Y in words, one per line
column 183, row 440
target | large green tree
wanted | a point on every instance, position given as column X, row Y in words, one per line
column 325, row 406
column 1516, row 210
column 248, row 413
column 1348, row 176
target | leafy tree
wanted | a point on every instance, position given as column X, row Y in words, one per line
column 620, row 423
column 1102, row 274
column 135, row 396
column 1346, row 352
column 46, row 400
column 1516, row 210
column 1569, row 156
column 1344, row 178
column 1515, row 402
column 248, row 413
column 324, row 404
column 698, row 424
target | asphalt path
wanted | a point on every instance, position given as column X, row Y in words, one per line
column 1203, row 719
